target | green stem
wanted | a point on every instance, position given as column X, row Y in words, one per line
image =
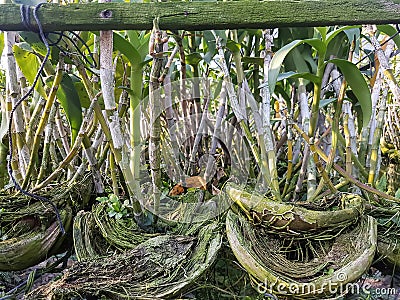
column 335, row 134
column 317, row 96
column 3, row 165
column 43, row 122
column 375, row 142
column 343, row 173
column 136, row 87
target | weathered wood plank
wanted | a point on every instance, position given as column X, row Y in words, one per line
column 206, row 15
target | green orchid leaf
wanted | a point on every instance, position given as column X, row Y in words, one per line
column 397, row 194
column 277, row 61
column 311, row 62
column 325, row 102
column 381, row 185
column 114, row 198
column 322, row 31
column 69, row 100
column 133, row 37
column 253, row 60
column 331, row 35
column 317, row 44
column 390, row 31
column 305, row 75
column 210, row 45
column 82, row 93
column 193, row 58
column 232, row 46
column 143, row 49
column 127, row 49
column 280, row 55
column 146, row 60
column 358, row 85
column 295, row 75
column 29, row 64
column 34, row 41
column 353, row 34
column 279, row 90
column 339, row 46
column 301, row 60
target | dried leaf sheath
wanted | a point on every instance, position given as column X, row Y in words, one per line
column 157, row 41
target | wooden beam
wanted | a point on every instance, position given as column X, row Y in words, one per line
column 205, row 15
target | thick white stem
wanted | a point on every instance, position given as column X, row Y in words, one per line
column 13, row 93
column 266, row 96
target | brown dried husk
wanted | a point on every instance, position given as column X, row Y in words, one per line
column 29, row 228
column 162, row 267
column 302, row 268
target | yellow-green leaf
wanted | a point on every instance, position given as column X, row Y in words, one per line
column 334, row 33
column 390, row 31
column 193, row 58
column 29, row 65
column 1, row 42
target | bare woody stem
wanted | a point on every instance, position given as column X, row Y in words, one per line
column 158, row 39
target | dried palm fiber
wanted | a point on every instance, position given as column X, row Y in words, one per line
column 29, row 229
column 287, row 218
column 389, row 249
column 98, row 234
column 187, row 208
column 390, row 147
column 88, row 241
column 388, row 232
column 392, row 126
column 302, row 268
column 161, row 267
